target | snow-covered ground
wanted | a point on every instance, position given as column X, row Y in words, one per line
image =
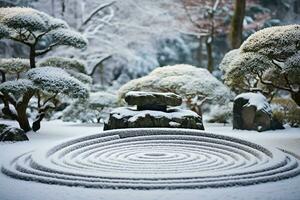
column 55, row 132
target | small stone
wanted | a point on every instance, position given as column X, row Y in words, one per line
column 12, row 134
column 152, row 100
column 251, row 111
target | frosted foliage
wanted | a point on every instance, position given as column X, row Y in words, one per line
column 247, row 64
column 185, row 80
column 17, row 87
column 227, row 59
column 65, row 63
column 68, row 37
column 81, row 76
column 56, row 80
column 102, row 99
column 278, row 41
column 293, row 63
column 29, row 19
column 22, row 17
column 3, row 31
column 96, row 107
column 14, row 65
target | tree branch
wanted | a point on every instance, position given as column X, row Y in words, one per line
column 6, row 109
column 49, row 48
column 98, row 64
column 94, row 12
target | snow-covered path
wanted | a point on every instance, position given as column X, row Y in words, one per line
column 56, row 132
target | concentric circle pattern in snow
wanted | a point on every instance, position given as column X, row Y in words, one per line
column 154, row 159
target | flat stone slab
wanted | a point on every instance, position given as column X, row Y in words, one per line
column 173, row 118
column 152, row 100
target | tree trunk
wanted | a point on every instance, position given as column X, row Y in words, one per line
column 199, row 52
column 210, row 63
column 36, row 125
column 296, row 97
column 2, row 76
column 32, row 56
column 22, row 118
column 63, row 8
column 21, row 108
column 236, row 32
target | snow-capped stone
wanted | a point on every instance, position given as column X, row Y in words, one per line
column 124, row 117
column 152, row 100
column 8, row 133
column 251, row 111
column 256, row 99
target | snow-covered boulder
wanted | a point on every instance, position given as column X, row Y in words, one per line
column 152, row 100
column 124, row 117
column 8, row 133
column 251, row 111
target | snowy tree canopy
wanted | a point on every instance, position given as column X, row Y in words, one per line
column 267, row 61
column 14, row 65
column 81, row 76
column 185, row 80
column 28, row 19
column 65, row 63
column 3, row 31
column 278, row 42
column 18, row 87
column 227, row 59
column 38, row 30
column 102, row 99
column 57, row 81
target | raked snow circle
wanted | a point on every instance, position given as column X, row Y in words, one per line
column 154, row 159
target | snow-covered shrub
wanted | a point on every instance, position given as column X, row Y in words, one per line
column 267, row 61
column 40, row 32
column 195, row 85
column 219, row 114
column 37, row 29
column 65, row 63
column 55, row 80
column 13, row 66
column 287, row 111
column 94, row 109
column 74, row 67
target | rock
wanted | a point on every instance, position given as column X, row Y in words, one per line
column 12, row 134
column 152, row 100
column 2, row 127
column 251, row 111
column 173, row 118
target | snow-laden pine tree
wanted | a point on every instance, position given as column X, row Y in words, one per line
column 195, row 85
column 38, row 30
column 13, row 66
column 269, row 60
column 51, row 78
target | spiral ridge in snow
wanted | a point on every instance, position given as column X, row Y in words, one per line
column 154, row 159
